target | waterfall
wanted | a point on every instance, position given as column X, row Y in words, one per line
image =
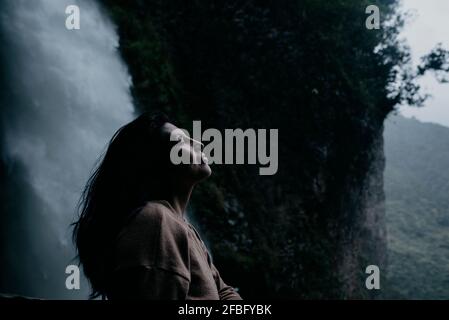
column 63, row 95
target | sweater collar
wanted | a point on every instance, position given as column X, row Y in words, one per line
column 170, row 207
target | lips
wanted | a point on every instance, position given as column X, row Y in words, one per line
column 204, row 158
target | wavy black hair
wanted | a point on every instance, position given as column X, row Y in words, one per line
column 132, row 171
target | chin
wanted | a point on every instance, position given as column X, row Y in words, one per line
column 200, row 172
column 203, row 171
column 208, row 170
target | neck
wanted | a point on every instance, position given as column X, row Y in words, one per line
column 179, row 199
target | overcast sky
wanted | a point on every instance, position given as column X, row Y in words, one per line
column 429, row 27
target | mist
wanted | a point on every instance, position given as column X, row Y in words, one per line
column 64, row 93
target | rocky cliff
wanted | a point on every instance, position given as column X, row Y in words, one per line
column 309, row 69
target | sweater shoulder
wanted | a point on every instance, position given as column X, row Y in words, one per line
column 154, row 238
column 155, row 212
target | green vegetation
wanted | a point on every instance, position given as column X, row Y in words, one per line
column 417, row 205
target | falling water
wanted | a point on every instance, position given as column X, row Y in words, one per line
column 63, row 94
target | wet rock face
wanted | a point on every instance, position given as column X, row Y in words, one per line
column 365, row 239
column 310, row 230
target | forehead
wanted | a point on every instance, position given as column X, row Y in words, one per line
column 167, row 128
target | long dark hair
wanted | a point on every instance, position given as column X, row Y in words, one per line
column 130, row 173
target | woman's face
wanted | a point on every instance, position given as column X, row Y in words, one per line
column 198, row 168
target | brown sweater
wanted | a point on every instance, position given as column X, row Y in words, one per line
column 159, row 255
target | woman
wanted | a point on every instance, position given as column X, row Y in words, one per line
column 132, row 236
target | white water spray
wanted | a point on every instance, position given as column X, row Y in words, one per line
column 68, row 92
